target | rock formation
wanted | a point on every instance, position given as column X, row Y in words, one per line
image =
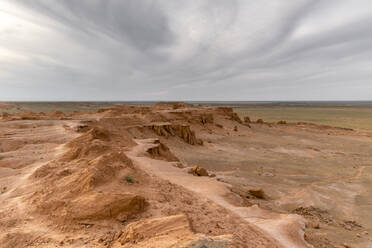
column 161, row 151
column 171, row 231
column 198, row 171
column 235, row 117
column 247, row 119
column 180, row 130
column 206, row 118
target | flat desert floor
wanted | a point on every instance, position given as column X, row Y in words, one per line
column 348, row 116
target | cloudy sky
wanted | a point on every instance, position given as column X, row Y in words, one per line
column 185, row 50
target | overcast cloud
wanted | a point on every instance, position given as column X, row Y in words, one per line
column 185, row 50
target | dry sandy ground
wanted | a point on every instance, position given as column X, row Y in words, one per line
column 120, row 178
column 280, row 226
column 320, row 172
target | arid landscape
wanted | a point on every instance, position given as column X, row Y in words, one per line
column 180, row 175
column 185, row 124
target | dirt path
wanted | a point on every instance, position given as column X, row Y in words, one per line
column 287, row 229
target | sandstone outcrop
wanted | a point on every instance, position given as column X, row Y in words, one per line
column 97, row 206
column 90, row 162
column 235, row 117
column 179, row 130
column 172, row 105
column 161, row 151
column 4, row 115
column 224, row 110
column 179, row 105
column 171, row 231
column 281, row 122
column 206, row 118
column 248, row 193
column 247, row 119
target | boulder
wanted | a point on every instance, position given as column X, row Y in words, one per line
column 315, row 225
column 198, row 171
column 247, row 119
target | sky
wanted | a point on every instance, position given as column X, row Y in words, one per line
column 244, row 50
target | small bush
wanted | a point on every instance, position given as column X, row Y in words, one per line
column 129, row 179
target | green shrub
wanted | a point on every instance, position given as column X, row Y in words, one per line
column 130, row 179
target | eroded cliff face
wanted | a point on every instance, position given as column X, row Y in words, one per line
column 70, row 184
column 170, row 231
column 179, row 130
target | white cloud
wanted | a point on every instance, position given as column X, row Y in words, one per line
column 173, row 49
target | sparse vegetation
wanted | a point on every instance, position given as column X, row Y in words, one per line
column 3, row 189
column 130, row 179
